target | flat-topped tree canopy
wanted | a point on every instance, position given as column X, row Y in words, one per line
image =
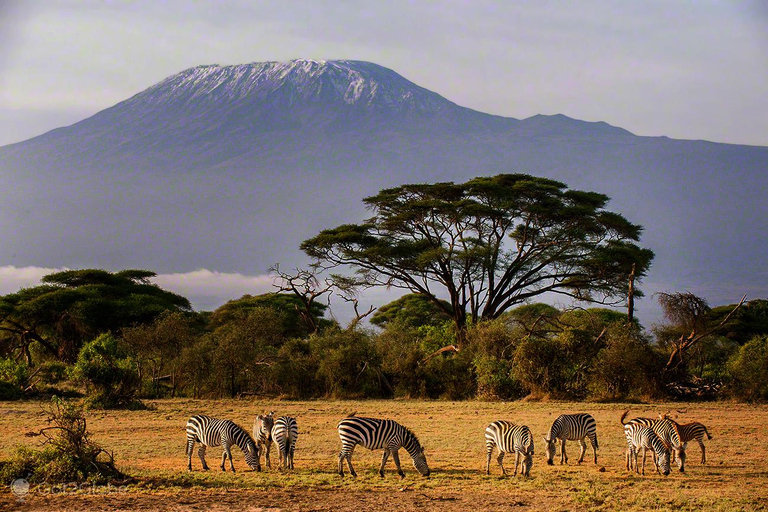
column 489, row 244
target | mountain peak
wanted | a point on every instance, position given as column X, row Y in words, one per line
column 301, row 81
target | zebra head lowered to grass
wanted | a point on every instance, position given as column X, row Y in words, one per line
column 571, row 427
column 508, row 438
column 262, row 434
column 379, row 434
column 667, row 430
column 215, row 432
column 690, row 432
column 640, row 437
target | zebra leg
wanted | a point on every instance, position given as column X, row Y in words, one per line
column 593, row 443
column 383, row 462
column 290, row 455
column 563, row 455
column 341, row 464
column 583, row 446
column 500, row 460
column 268, row 448
column 517, row 461
column 201, row 454
column 396, row 458
column 227, row 454
column 703, row 451
column 488, row 461
column 645, row 452
column 190, row 449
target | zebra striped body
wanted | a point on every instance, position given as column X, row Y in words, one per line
column 262, row 434
column 668, row 431
column 214, row 432
column 694, row 431
column 379, row 434
column 507, row 438
column 285, row 432
column 640, row 437
column 571, row 427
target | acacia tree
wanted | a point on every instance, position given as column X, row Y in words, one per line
column 488, row 244
column 74, row 306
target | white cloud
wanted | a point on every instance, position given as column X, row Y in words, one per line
column 12, row 279
column 208, row 289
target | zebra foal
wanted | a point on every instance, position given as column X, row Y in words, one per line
column 640, row 437
column 378, row 434
column 262, row 434
column 285, row 432
column 571, row 427
column 668, row 431
column 215, row 432
column 507, row 438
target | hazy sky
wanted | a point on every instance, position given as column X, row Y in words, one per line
column 685, row 69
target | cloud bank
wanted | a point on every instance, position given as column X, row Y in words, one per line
column 206, row 289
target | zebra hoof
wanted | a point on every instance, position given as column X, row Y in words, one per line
column 381, row 474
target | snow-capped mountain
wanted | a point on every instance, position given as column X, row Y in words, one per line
column 231, row 167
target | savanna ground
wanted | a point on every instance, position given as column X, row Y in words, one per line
column 149, row 445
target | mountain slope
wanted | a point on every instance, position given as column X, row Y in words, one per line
column 231, row 167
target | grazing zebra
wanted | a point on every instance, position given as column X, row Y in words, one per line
column 285, row 432
column 668, row 432
column 214, row 432
column 694, row 430
column 507, row 438
column 572, row 427
column 377, row 434
column 640, row 437
column 262, row 434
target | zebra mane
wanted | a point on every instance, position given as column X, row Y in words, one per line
column 414, row 436
column 244, row 433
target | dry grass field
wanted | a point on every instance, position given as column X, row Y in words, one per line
column 149, row 445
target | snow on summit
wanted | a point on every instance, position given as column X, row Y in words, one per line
column 354, row 83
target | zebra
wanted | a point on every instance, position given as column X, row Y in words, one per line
column 285, row 432
column 215, row 432
column 375, row 434
column 262, row 434
column 668, row 432
column 507, row 438
column 571, row 427
column 694, row 430
column 640, row 437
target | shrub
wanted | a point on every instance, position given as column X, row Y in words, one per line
column 627, row 366
column 749, row 370
column 13, row 379
column 494, row 379
column 69, row 455
column 109, row 369
column 538, row 365
column 348, row 364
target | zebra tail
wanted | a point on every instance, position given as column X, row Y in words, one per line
column 624, row 416
column 707, row 432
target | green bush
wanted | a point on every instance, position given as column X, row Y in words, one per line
column 348, row 364
column 538, row 366
column 109, row 369
column 494, row 379
column 749, row 370
column 13, row 379
column 627, row 366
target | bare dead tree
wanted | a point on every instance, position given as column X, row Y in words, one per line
column 689, row 311
column 305, row 286
column 349, row 290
